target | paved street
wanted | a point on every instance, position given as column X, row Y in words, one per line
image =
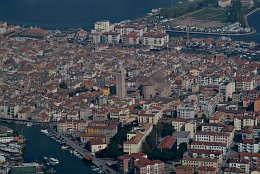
column 98, row 162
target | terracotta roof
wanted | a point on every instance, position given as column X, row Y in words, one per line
column 167, row 142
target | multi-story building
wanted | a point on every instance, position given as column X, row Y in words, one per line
column 246, row 120
column 198, row 153
column 219, row 137
column 184, row 170
column 187, row 111
column 86, row 137
column 155, row 39
column 251, row 157
column 224, row 3
column 131, row 38
column 139, row 164
column 109, row 130
column 177, row 123
column 245, row 83
column 217, row 127
column 9, row 110
column 149, row 118
column 136, row 137
column 241, row 164
column 111, row 37
column 227, row 89
column 257, row 105
column 249, row 145
column 65, row 125
column 103, row 25
column 209, row 146
column 200, row 162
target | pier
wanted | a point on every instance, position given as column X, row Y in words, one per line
column 98, row 162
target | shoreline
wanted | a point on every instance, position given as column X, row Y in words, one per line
column 100, row 163
column 224, row 34
column 216, row 34
column 248, row 14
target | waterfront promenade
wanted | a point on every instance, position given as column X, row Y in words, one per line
column 74, row 145
column 98, row 162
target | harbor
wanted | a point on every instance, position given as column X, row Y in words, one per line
column 38, row 146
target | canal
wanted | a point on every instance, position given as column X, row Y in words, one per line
column 40, row 145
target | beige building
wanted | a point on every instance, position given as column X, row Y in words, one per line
column 191, row 128
column 200, row 162
column 247, row 120
column 152, row 118
column 219, row 137
column 71, row 125
column 136, row 137
column 96, row 145
column 209, row 146
column 155, row 39
column 103, row 25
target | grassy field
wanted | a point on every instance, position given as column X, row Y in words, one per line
column 211, row 14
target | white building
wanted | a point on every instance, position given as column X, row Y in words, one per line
column 224, row 3
column 187, row 111
column 249, row 145
column 155, row 39
column 111, row 37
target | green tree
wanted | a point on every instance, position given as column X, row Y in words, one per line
column 204, row 118
column 63, row 85
column 236, row 13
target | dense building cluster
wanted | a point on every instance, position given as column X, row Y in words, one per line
column 93, row 90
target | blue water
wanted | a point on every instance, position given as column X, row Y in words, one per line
column 254, row 21
column 40, row 145
column 74, row 13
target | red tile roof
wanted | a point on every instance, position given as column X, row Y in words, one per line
column 167, row 142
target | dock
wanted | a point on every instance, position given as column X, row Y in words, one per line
column 98, row 162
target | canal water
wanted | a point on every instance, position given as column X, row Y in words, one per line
column 40, row 145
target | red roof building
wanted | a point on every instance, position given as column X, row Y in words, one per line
column 168, row 142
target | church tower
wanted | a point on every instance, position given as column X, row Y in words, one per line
column 120, row 81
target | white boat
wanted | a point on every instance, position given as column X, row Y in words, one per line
column 64, row 147
column 54, row 160
column 29, row 124
column 51, row 161
column 10, row 150
column 96, row 169
column 45, row 131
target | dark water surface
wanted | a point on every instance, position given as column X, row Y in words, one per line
column 40, row 145
column 74, row 13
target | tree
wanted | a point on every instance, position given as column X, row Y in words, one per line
column 236, row 11
column 63, row 85
column 204, row 118
column 164, row 129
